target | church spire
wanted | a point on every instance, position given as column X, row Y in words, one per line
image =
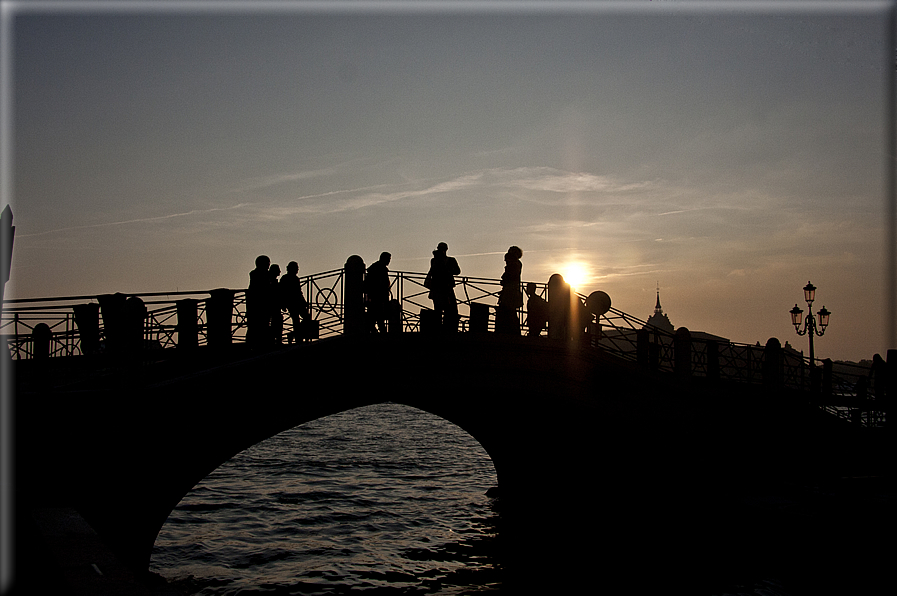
column 658, row 319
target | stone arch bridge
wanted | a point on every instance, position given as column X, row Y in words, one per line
column 639, row 452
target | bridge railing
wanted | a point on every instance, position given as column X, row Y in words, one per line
column 51, row 327
column 408, row 288
column 163, row 329
column 838, row 388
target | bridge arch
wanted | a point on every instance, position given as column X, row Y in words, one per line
column 581, row 443
column 523, row 402
column 295, row 478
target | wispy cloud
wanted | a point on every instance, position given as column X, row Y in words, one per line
column 538, row 180
column 261, row 182
column 133, row 221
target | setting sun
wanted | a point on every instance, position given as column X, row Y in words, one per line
column 575, row 274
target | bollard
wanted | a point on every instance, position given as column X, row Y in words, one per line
column 682, row 353
column 558, row 307
column 394, row 316
column 219, row 317
column 479, row 317
column 353, row 296
column 112, row 307
column 773, row 371
column 134, row 325
column 87, row 319
column 188, row 324
column 41, row 337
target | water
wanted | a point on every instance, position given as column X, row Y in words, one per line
column 393, row 499
column 384, row 497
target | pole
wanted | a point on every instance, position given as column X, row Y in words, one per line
column 811, row 329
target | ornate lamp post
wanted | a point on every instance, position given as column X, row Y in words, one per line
column 809, row 326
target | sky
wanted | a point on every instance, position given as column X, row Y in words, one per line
column 725, row 152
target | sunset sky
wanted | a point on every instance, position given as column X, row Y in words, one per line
column 726, row 151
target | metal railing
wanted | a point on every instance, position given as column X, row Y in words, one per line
column 323, row 291
column 613, row 332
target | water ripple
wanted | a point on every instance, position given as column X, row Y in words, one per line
column 385, row 497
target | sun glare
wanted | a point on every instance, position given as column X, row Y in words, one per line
column 575, row 274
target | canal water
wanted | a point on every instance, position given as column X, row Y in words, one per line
column 384, row 497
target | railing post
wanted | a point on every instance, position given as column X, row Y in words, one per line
column 188, row 327
column 87, row 319
column 41, row 337
column 479, row 317
column 559, row 295
column 862, row 401
column 394, row 316
column 353, row 296
column 827, row 380
column 135, row 325
column 219, row 318
column 712, row 352
column 773, row 372
column 891, row 386
column 112, row 307
column 682, row 353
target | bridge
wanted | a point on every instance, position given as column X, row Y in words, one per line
column 124, row 403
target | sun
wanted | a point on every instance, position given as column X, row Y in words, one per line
column 575, row 274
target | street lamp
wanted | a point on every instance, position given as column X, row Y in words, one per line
column 809, row 326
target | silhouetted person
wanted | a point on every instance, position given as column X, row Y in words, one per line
column 536, row 311
column 293, row 299
column 441, row 283
column 510, row 298
column 276, row 306
column 258, row 303
column 376, row 291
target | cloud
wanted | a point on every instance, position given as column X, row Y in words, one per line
column 532, row 181
column 261, row 182
column 560, row 181
column 137, row 220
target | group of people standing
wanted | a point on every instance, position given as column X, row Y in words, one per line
column 268, row 297
column 440, row 281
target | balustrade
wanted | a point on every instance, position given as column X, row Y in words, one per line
column 41, row 328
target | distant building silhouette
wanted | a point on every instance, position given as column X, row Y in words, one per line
column 659, row 319
column 662, row 321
